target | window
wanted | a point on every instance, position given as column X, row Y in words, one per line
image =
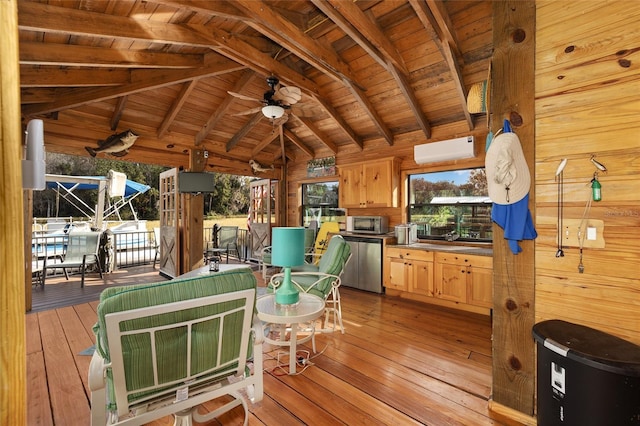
column 320, row 204
column 451, row 205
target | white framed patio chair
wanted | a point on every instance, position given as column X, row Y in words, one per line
column 164, row 349
column 322, row 280
column 81, row 252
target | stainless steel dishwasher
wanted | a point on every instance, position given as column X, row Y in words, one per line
column 364, row 270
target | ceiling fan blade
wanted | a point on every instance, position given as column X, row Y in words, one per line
column 288, row 95
column 249, row 111
column 306, row 110
column 240, row 96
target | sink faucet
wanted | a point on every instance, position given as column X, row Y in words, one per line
column 451, row 236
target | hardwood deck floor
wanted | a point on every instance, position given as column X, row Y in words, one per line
column 399, row 362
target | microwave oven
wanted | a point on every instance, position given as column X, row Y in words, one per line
column 368, row 224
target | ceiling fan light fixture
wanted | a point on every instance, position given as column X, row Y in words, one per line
column 273, row 111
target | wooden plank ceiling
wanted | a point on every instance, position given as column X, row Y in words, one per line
column 368, row 71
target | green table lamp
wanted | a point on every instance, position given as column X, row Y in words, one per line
column 287, row 250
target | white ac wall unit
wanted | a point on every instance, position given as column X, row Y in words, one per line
column 451, row 149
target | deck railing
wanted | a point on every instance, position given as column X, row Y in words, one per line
column 127, row 248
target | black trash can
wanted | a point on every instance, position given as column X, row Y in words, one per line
column 585, row 376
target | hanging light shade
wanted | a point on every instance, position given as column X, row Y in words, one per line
column 273, row 111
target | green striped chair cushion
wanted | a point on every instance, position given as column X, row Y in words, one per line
column 137, row 347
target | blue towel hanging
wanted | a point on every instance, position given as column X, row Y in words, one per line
column 506, row 127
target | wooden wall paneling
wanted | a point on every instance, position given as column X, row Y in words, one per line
column 12, row 302
column 587, row 103
column 513, row 300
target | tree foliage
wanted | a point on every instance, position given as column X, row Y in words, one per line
column 231, row 194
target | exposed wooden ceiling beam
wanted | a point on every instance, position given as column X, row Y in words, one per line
column 176, row 106
column 318, row 134
column 297, row 142
column 340, row 122
column 436, row 21
column 266, row 141
column 244, row 130
column 64, row 77
column 268, row 22
column 353, row 21
column 117, row 112
column 89, row 56
column 76, row 97
column 214, row 119
column 34, row 16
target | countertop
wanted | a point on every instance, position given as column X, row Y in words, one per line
column 461, row 249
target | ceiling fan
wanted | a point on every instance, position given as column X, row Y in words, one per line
column 276, row 101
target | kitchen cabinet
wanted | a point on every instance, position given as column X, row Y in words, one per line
column 409, row 270
column 446, row 278
column 370, row 184
column 464, row 278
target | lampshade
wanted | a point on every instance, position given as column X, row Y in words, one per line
column 287, row 250
column 273, row 111
column 287, row 246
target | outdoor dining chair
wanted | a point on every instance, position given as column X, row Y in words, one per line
column 81, row 252
column 225, row 239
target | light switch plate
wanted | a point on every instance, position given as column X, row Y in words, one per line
column 570, row 236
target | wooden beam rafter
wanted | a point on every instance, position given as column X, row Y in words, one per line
column 176, row 106
column 436, row 21
column 89, row 56
column 353, row 21
column 214, row 119
column 244, row 130
column 117, row 112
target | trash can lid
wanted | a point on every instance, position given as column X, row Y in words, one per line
column 589, row 346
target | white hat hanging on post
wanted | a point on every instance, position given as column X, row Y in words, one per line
column 508, row 182
column 508, row 178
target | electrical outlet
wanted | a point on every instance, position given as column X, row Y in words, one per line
column 593, row 229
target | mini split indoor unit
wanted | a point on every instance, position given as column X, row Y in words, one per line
column 451, row 149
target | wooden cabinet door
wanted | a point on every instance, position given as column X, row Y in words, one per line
column 451, row 282
column 421, row 277
column 351, row 188
column 378, row 182
column 396, row 276
column 480, row 287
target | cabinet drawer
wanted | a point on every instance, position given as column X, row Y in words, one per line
column 461, row 259
column 405, row 253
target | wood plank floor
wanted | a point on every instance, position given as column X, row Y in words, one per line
column 399, row 362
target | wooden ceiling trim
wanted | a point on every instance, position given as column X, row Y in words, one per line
column 245, row 79
column 77, row 97
column 88, row 56
column 185, row 91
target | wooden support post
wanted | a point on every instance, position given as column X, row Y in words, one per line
column 13, row 394
column 513, row 77
column 193, row 220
